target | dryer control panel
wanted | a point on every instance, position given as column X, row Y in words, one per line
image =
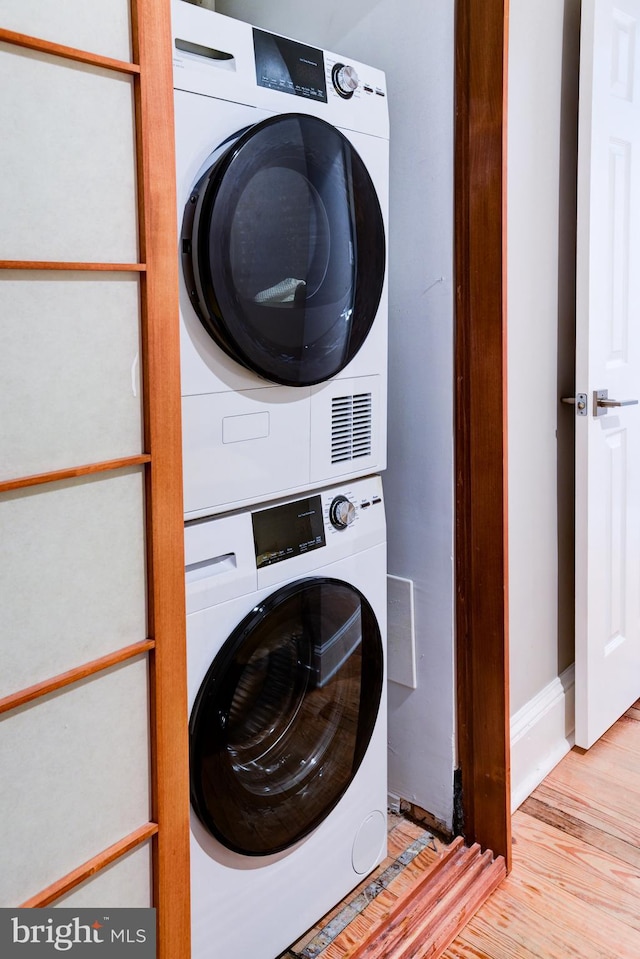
column 225, row 58
column 289, row 66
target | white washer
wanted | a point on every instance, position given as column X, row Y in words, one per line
column 282, row 166
column 286, row 645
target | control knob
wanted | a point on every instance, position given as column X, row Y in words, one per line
column 345, row 80
column 342, row 512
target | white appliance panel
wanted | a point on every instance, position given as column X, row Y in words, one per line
column 258, row 906
column 216, row 96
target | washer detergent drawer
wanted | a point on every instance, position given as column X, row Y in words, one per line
column 220, row 562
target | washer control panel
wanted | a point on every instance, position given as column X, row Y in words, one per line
column 300, row 535
column 296, row 527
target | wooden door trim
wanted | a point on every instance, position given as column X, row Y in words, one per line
column 481, row 405
column 152, row 50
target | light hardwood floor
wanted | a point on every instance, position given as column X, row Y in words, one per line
column 574, row 891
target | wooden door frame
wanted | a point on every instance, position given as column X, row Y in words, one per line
column 154, row 98
column 480, row 424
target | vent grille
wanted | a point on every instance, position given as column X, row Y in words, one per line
column 351, row 427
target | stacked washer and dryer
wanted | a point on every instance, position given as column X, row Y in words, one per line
column 282, row 165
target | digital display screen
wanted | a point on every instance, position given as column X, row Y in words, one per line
column 289, row 66
column 290, row 530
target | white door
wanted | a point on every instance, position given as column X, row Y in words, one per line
column 608, row 358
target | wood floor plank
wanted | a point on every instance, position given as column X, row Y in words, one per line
column 481, row 940
column 620, row 849
column 586, row 808
column 625, row 732
column 620, row 759
column 574, row 892
column 472, row 944
column 582, row 871
column 461, row 949
column 486, row 941
column 559, row 925
column 485, row 937
column 513, row 923
column 418, row 866
column 602, row 786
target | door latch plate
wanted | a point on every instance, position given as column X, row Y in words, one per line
column 579, row 401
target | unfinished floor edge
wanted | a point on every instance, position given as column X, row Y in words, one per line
column 412, row 909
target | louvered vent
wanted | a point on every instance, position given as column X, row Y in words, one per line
column 351, row 427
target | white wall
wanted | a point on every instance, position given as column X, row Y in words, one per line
column 543, row 76
column 415, row 48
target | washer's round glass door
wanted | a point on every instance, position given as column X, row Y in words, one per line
column 283, row 250
column 284, row 716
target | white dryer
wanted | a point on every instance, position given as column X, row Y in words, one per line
column 282, row 166
column 286, row 639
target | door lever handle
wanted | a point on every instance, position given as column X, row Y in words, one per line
column 602, row 404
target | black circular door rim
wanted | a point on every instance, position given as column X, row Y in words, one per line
column 215, row 679
column 219, row 323
column 222, row 156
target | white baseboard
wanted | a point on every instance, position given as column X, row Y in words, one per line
column 542, row 732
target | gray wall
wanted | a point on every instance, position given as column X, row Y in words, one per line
column 543, row 95
column 542, row 154
column 415, row 48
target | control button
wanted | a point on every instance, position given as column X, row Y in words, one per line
column 365, row 503
column 345, row 80
column 342, row 512
column 377, row 499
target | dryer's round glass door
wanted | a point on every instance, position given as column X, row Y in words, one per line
column 284, row 716
column 283, row 250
